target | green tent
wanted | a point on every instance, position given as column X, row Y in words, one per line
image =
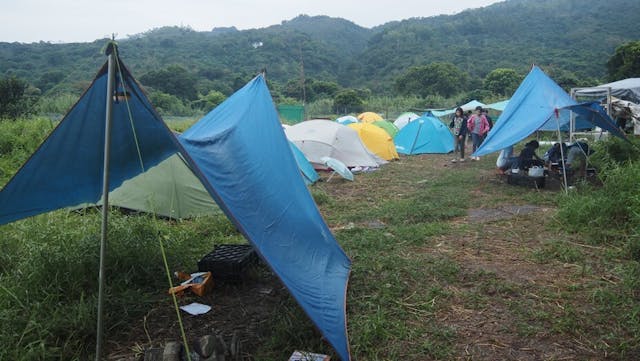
column 387, row 126
column 170, row 189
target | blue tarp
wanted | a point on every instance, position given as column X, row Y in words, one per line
column 67, row 168
column 243, row 159
column 540, row 104
column 426, row 134
column 240, row 150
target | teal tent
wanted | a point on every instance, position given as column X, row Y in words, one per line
column 426, row 134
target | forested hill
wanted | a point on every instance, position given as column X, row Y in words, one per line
column 577, row 36
column 566, row 36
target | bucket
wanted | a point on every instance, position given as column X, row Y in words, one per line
column 536, row 172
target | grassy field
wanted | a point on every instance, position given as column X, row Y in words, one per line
column 449, row 263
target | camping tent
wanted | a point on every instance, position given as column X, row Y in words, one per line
column 369, row 117
column 376, row 140
column 239, row 153
column 404, row 119
column 347, row 119
column 471, row 105
column 539, row 104
column 389, row 127
column 306, row 168
column 426, row 134
column 169, row 189
column 626, row 89
column 323, row 138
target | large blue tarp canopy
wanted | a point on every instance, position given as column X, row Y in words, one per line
column 67, row 168
column 541, row 104
column 238, row 151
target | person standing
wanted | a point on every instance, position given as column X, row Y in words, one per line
column 478, row 126
column 458, row 127
column 485, row 112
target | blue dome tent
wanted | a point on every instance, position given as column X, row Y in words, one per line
column 426, row 134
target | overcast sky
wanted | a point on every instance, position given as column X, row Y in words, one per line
column 88, row 20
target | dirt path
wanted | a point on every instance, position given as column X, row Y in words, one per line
column 500, row 306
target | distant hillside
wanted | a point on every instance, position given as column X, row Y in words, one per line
column 564, row 35
column 574, row 35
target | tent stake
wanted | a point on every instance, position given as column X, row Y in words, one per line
column 111, row 52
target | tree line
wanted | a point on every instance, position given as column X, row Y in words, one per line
column 173, row 90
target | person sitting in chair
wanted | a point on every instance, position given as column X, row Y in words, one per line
column 528, row 157
column 554, row 154
column 506, row 160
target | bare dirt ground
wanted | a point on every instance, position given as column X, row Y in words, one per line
column 240, row 309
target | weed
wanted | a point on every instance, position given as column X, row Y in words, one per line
column 560, row 251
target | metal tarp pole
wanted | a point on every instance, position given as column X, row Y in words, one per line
column 564, row 166
column 111, row 52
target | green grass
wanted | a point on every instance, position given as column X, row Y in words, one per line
column 49, row 284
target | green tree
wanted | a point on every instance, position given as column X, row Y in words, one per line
column 347, row 101
column 50, row 79
column 443, row 79
column 293, row 89
column 167, row 104
column 174, row 80
column 209, row 101
column 15, row 101
column 625, row 62
column 324, row 89
column 502, row 81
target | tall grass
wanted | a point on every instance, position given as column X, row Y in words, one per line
column 56, row 104
column 49, row 275
column 610, row 215
column 18, row 141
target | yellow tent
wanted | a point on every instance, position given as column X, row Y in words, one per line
column 369, row 117
column 376, row 139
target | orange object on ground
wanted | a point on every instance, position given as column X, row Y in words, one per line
column 199, row 283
